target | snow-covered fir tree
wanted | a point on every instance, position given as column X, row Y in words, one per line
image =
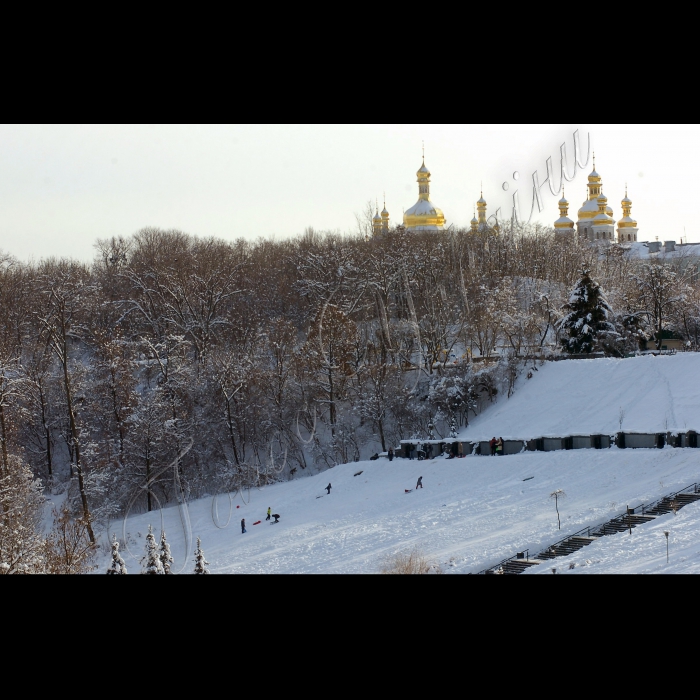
column 117, row 565
column 586, row 326
column 200, row 563
column 151, row 561
column 166, row 558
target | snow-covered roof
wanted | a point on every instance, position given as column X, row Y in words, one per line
column 589, row 205
column 640, row 250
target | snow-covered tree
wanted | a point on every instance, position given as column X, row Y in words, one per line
column 117, row 565
column 585, row 325
column 200, row 563
column 151, row 561
column 21, row 511
column 166, row 558
column 661, row 291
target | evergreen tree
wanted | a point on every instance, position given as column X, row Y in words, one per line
column 453, row 428
column 117, row 565
column 586, row 326
column 151, row 562
column 200, row 563
column 166, row 558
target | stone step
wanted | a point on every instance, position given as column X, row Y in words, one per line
column 517, row 566
column 688, row 497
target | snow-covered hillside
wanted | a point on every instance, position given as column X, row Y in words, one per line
column 645, row 394
column 475, row 511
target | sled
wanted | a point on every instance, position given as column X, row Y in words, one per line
column 357, row 474
column 257, row 522
column 528, row 478
column 407, row 490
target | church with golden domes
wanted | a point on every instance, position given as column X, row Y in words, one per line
column 595, row 217
column 424, row 215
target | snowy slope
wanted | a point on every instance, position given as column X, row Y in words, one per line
column 472, row 513
column 475, row 511
column 585, row 397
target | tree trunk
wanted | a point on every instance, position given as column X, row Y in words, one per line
column 3, row 441
column 47, row 431
column 149, row 504
column 229, row 421
column 75, row 439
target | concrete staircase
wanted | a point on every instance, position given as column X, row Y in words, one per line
column 573, row 544
column 669, row 503
column 622, row 523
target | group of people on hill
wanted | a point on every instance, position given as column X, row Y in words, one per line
column 276, row 516
column 270, row 514
column 496, row 445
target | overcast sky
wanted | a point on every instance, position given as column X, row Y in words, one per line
column 62, row 187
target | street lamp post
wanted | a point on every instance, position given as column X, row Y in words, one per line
column 666, row 533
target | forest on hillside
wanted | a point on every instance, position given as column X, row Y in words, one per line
column 172, row 366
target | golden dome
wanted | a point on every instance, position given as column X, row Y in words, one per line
column 590, row 208
column 424, row 215
column 626, row 221
column 481, row 208
column 603, row 217
column 563, row 222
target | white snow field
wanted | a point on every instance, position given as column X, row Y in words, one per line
column 656, row 393
column 475, row 511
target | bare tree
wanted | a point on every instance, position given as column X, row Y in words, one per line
column 67, row 291
column 556, row 495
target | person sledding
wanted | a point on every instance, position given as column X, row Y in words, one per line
column 276, row 518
